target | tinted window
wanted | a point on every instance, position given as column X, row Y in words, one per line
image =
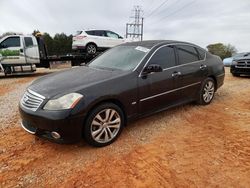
column 100, row 33
column 28, row 41
column 11, row 42
column 90, row 32
column 201, row 53
column 96, row 33
column 165, row 57
column 187, row 54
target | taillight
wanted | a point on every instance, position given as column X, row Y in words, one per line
column 80, row 37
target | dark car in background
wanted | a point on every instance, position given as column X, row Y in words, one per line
column 126, row 82
column 241, row 65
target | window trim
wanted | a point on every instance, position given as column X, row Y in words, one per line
column 171, row 44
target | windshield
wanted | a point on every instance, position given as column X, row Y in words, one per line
column 121, row 58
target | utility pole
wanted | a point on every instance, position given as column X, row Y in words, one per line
column 135, row 30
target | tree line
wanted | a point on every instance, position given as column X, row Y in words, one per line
column 61, row 44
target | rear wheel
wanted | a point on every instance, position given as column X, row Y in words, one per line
column 206, row 93
column 103, row 125
column 91, row 49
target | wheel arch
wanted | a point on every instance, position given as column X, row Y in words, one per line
column 91, row 42
column 215, row 81
column 108, row 100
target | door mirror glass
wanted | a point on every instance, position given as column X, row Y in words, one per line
column 153, row 68
column 120, row 37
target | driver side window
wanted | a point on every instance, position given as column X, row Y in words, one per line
column 165, row 57
column 10, row 42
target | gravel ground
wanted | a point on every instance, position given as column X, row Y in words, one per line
column 188, row 146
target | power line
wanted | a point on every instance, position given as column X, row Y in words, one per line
column 176, row 11
column 157, row 8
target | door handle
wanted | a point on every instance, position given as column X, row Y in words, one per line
column 176, row 74
column 202, row 67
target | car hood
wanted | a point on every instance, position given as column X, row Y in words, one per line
column 71, row 80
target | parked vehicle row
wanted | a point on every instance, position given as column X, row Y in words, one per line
column 126, row 82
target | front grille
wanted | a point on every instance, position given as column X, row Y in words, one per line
column 243, row 64
column 32, row 100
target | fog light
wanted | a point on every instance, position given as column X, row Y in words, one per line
column 55, row 135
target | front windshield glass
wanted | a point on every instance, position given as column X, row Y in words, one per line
column 122, row 58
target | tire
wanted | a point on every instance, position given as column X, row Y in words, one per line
column 98, row 130
column 91, row 49
column 207, row 91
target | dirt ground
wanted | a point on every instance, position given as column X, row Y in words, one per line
column 188, row 146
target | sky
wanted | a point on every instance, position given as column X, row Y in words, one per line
column 197, row 21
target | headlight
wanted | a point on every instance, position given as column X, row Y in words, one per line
column 234, row 63
column 65, row 102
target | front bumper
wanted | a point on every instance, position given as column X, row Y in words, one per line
column 236, row 70
column 43, row 123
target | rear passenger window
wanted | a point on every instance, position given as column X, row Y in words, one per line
column 187, row 54
column 100, row 33
column 90, row 32
column 28, row 41
column 201, row 53
column 165, row 57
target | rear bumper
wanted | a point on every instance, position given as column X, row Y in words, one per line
column 236, row 70
column 68, row 127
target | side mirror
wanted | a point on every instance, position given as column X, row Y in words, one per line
column 120, row 37
column 153, row 68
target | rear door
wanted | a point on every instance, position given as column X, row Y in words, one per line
column 12, row 51
column 31, row 50
column 157, row 90
column 98, row 37
column 193, row 71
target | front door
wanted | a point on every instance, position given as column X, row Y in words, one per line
column 157, row 90
column 11, row 50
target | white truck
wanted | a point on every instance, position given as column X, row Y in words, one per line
column 23, row 53
column 19, row 53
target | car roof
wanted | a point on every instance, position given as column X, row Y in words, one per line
column 152, row 43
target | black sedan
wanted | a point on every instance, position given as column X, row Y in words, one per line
column 126, row 82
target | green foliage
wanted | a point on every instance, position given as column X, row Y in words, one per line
column 222, row 50
column 61, row 44
column 5, row 53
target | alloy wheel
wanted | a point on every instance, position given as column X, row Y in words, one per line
column 91, row 49
column 208, row 91
column 105, row 125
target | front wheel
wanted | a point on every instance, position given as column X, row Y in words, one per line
column 103, row 125
column 207, row 91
